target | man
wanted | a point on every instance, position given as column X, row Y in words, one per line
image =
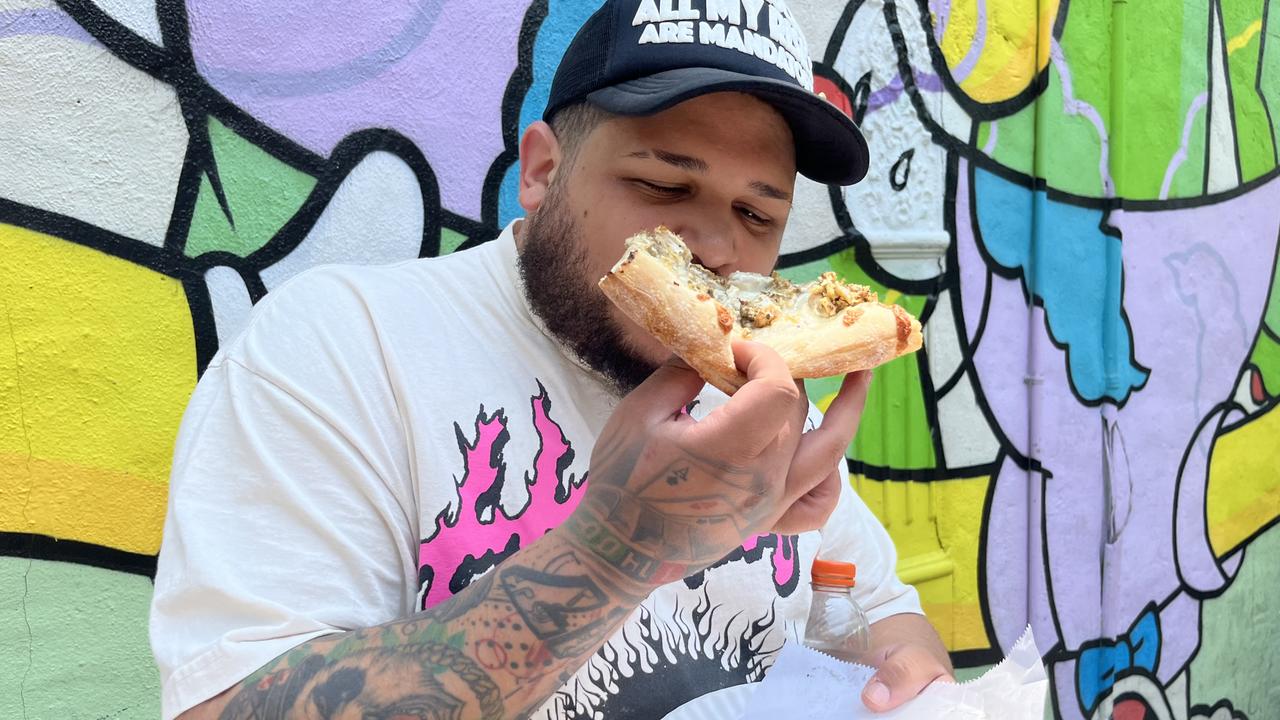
column 348, row 533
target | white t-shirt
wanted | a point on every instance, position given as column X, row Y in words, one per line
column 378, row 437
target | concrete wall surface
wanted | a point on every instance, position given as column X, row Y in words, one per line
column 1079, row 198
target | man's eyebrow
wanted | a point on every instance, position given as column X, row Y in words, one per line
column 693, row 164
column 766, row 190
column 684, row 162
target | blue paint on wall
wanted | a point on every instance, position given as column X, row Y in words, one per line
column 1072, row 268
column 557, row 31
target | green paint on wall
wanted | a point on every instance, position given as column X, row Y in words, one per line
column 1015, row 140
column 1237, row 658
column 1162, row 51
column 1266, row 357
column 86, row 655
column 1242, row 21
column 984, row 134
column 1269, row 80
column 450, row 240
column 262, row 193
column 895, row 429
column 1068, row 148
column 1272, row 315
column 1188, row 178
column 1086, row 48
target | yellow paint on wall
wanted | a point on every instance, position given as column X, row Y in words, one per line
column 936, row 527
column 1243, row 495
column 90, row 504
column 1009, row 55
column 1238, row 42
column 97, row 362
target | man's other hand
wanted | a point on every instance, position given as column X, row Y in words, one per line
column 908, row 657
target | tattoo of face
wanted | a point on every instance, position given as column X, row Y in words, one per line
column 275, row 694
column 410, row 687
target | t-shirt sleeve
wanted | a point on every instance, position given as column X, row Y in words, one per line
column 854, row 534
column 291, row 514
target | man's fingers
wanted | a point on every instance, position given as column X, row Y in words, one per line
column 904, row 672
column 824, row 447
column 811, row 510
column 664, row 393
column 756, row 414
column 840, row 421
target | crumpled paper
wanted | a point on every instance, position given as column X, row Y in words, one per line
column 821, row 687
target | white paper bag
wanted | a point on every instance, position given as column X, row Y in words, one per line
column 807, row 683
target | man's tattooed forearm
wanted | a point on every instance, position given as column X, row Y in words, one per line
column 325, row 687
column 636, row 565
column 563, row 606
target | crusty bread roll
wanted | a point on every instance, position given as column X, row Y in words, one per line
column 822, row 328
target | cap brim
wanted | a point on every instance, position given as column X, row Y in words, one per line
column 829, row 147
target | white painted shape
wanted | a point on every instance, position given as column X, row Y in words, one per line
column 817, row 21
column 14, row 5
column 230, row 300
column 953, row 118
column 1243, row 394
column 812, row 222
column 1224, row 173
column 375, row 217
column 84, row 134
column 137, row 15
column 942, row 107
column 941, row 341
column 905, row 227
column 966, row 437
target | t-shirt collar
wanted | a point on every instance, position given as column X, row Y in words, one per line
column 511, row 286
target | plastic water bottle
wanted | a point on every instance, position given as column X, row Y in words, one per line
column 837, row 626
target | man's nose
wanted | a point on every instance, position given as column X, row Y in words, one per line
column 715, row 248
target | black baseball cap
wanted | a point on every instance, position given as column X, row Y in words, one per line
column 639, row 57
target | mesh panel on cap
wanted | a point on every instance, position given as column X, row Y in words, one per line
column 585, row 61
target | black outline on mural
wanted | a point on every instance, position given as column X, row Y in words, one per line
column 1034, row 300
column 978, row 111
column 174, row 65
column 1257, row 82
column 1216, row 416
column 34, row 546
column 994, row 653
column 1150, row 607
column 943, row 138
column 1231, row 95
column 512, row 103
column 952, row 280
column 1202, row 710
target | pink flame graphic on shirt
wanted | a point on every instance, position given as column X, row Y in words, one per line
column 784, row 557
column 479, row 533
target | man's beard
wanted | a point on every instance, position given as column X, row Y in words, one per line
column 555, row 270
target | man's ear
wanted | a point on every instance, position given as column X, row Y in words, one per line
column 540, row 158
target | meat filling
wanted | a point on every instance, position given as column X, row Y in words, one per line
column 759, row 300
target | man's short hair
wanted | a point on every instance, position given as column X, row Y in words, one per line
column 573, row 124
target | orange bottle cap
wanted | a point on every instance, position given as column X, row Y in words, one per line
column 838, row 574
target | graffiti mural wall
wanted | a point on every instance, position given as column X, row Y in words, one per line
column 1080, row 199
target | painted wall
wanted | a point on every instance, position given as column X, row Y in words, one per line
column 1080, row 198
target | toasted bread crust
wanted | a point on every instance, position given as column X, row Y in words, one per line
column 700, row 330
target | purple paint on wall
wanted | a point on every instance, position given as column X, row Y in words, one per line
column 319, row 71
